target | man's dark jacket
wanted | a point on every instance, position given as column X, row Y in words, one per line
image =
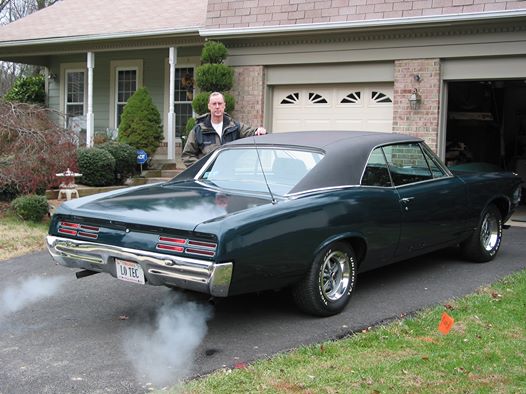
column 203, row 139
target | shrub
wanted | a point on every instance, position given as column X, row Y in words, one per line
column 30, row 207
column 140, row 124
column 28, row 90
column 97, row 167
column 32, row 149
column 125, row 159
column 214, row 52
column 214, row 77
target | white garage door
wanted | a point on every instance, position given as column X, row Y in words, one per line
column 364, row 107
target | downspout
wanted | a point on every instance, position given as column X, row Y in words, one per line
column 172, row 59
column 89, row 114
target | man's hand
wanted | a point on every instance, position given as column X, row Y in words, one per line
column 260, row 131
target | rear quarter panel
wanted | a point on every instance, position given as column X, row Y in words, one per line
column 486, row 188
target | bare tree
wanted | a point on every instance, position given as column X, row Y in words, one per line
column 32, row 148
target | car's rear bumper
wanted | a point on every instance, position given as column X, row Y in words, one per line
column 159, row 269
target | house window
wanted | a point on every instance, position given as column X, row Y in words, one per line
column 125, row 87
column 75, row 89
column 183, row 96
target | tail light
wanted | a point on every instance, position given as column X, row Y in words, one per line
column 189, row 246
column 78, row 230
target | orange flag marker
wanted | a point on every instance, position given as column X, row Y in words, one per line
column 445, row 323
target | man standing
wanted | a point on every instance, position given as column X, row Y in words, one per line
column 213, row 130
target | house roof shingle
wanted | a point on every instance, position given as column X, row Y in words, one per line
column 78, row 18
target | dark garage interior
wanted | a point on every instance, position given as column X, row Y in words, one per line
column 486, row 125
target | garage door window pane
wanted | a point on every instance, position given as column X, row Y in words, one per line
column 316, row 98
column 379, row 97
column 352, row 98
column 292, row 98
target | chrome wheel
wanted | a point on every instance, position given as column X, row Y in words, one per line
column 326, row 289
column 490, row 231
column 484, row 242
column 335, row 275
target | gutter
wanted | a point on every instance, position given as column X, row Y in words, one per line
column 102, row 37
column 365, row 24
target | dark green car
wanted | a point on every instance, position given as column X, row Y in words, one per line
column 306, row 211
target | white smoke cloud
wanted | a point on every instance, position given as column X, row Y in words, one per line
column 27, row 292
column 164, row 353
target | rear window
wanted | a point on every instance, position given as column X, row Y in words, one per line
column 246, row 168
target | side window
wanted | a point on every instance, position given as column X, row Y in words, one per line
column 407, row 163
column 376, row 172
column 434, row 164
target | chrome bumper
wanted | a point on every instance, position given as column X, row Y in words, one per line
column 159, row 269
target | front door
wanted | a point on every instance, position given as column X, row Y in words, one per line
column 432, row 201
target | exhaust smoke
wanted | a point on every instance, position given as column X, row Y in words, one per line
column 27, row 292
column 164, row 353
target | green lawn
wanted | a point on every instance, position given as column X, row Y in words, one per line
column 485, row 352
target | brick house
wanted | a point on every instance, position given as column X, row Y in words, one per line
column 299, row 65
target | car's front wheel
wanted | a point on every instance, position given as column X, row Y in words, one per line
column 484, row 243
column 327, row 287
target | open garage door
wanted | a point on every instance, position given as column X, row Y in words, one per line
column 486, row 124
column 364, row 107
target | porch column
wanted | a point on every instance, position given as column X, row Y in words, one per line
column 171, row 106
column 89, row 113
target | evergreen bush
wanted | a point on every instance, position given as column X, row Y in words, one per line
column 29, row 90
column 213, row 52
column 97, row 167
column 140, row 124
column 30, row 207
column 125, row 159
column 214, row 77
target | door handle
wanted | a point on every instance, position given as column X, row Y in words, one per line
column 406, row 201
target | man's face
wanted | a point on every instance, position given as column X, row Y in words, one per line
column 216, row 106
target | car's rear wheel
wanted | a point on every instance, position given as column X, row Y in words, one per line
column 327, row 287
column 484, row 243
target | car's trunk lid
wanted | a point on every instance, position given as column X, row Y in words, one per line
column 175, row 206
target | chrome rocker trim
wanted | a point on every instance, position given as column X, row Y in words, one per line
column 159, row 269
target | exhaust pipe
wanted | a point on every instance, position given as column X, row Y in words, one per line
column 83, row 274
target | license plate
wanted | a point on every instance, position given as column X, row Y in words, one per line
column 129, row 271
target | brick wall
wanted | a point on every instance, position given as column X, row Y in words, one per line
column 422, row 122
column 248, row 91
column 244, row 13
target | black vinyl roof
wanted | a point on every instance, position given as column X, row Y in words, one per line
column 346, row 153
